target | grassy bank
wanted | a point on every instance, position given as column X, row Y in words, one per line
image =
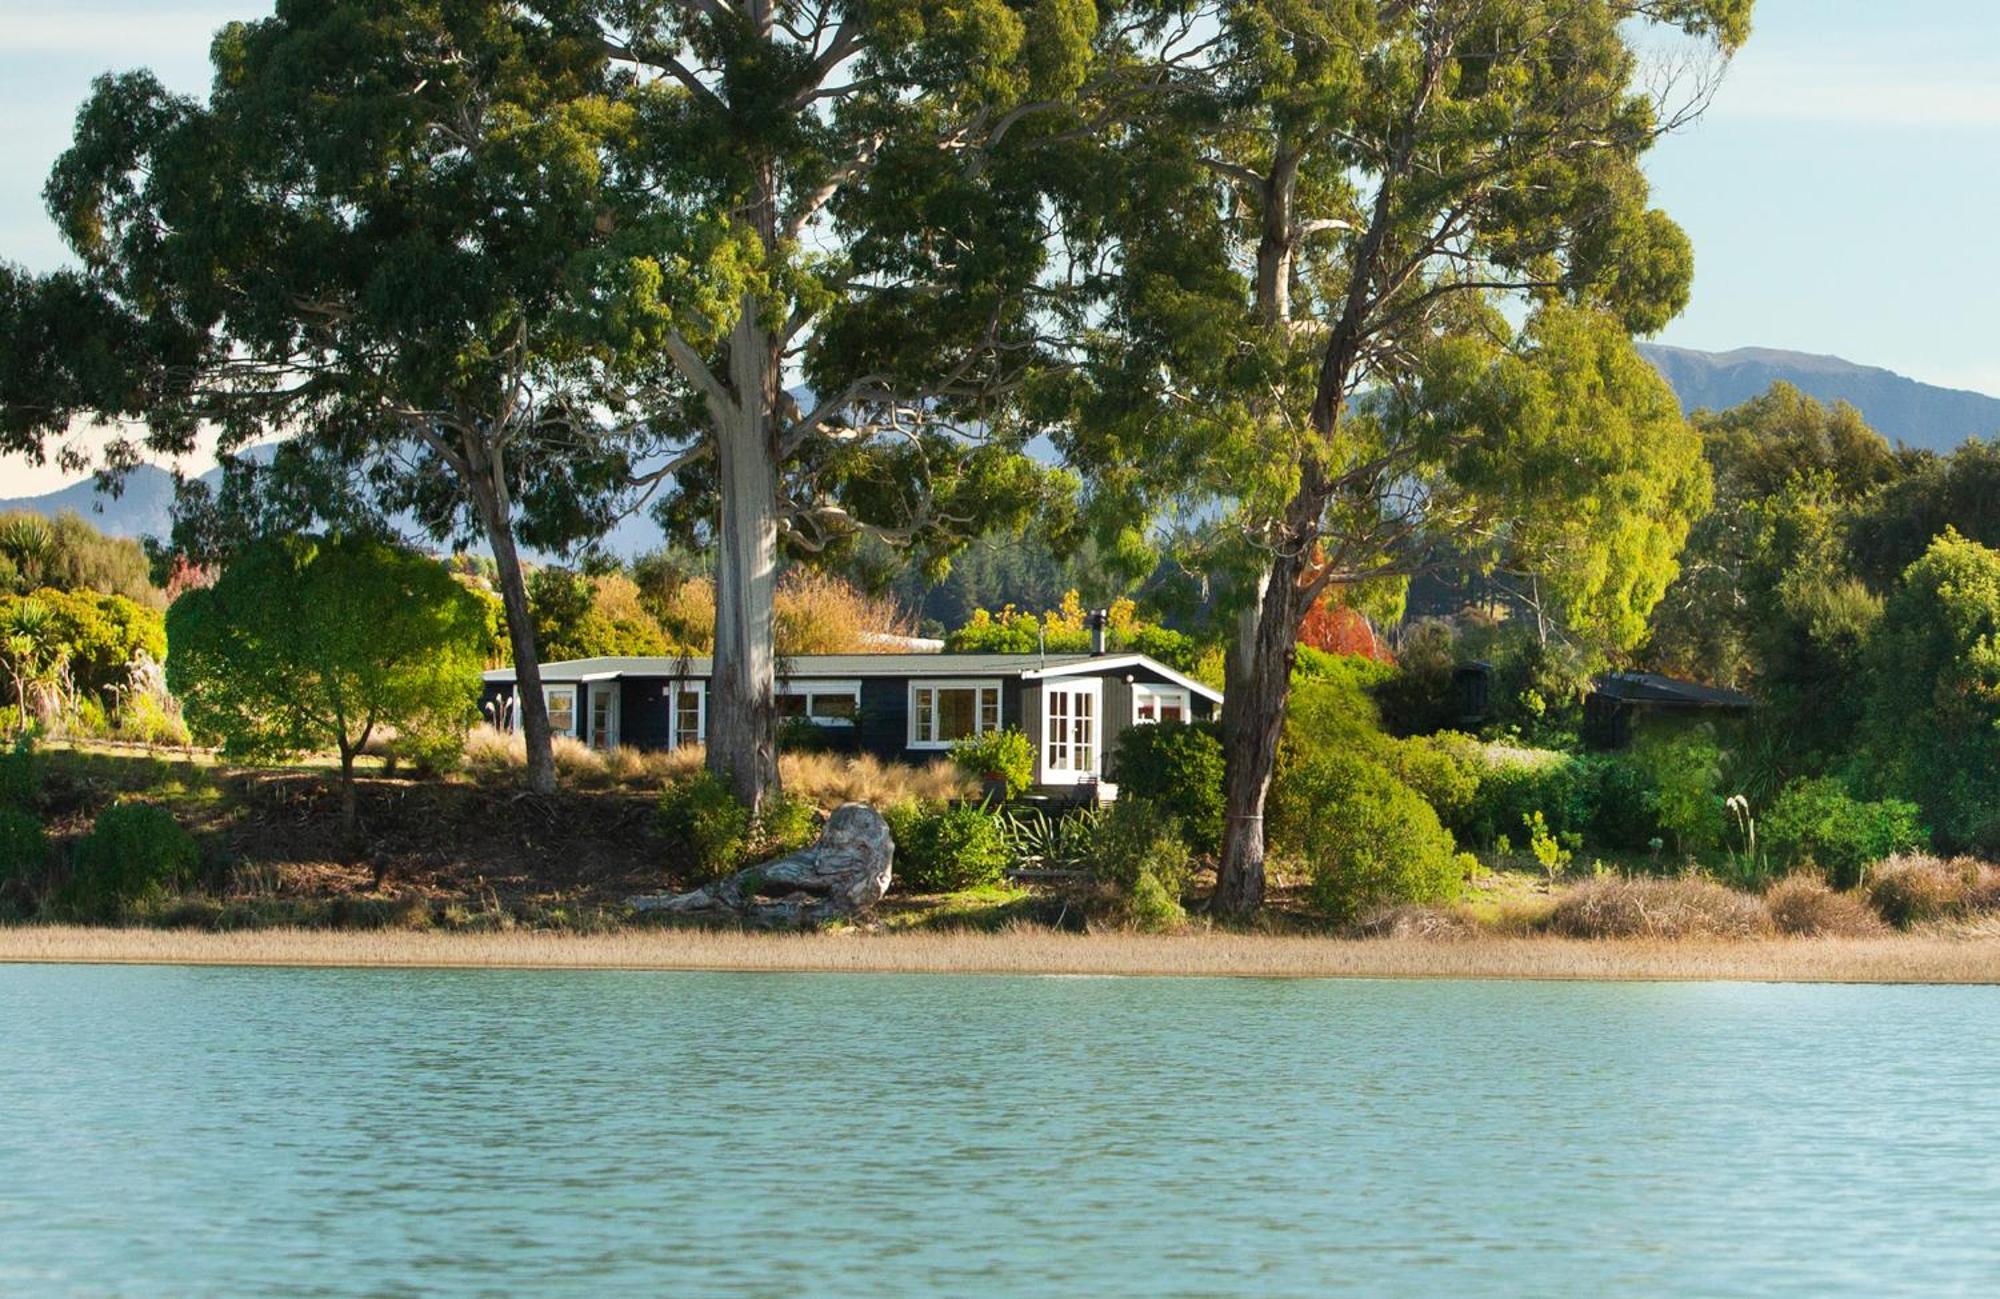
column 1938, row 957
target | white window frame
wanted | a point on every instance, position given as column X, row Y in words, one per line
column 1159, row 695
column 810, row 688
column 549, row 692
column 672, row 691
column 1088, row 687
column 979, row 726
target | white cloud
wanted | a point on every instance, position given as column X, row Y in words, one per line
column 1849, row 91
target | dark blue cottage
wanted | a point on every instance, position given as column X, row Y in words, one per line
column 905, row 707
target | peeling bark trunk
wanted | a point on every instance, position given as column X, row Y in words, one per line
column 1259, row 679
column 531, row 710
column 742, row 719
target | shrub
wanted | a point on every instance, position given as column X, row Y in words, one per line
column 1065, row 841
column 1516, row 784
column 1366, row 838
column 1627, row 813
column 24, row 854
column 1154, row 906
column 943, row 847
column 135, row 853
column 1004, row 755
column 1805, row 906
column 1142, row 854
column 20, row 777
column 152, row 717
column 87, row 720
column 1684, row 769
column 1176, row 765
column 1915, row 888
column 705, row 827
column 1817, row 822
column 1687, row 907
column 787, row 824
column 1445, row 769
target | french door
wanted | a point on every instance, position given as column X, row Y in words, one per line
column 1072, row 731
column 604, row 715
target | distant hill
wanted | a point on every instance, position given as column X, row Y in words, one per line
column 1902, row 410
column 143, row 509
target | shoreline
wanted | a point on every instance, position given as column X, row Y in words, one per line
column 1908, row 958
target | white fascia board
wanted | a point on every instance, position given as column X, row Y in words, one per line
column 1112, row 662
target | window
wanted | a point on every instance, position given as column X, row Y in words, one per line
column 826, row 703
column 944, row 711
column 690, row 709
column 561, row 701
column 1069, row 732
column 1160, row 704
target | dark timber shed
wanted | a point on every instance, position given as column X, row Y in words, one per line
column 902, row 707
column 1617, row 699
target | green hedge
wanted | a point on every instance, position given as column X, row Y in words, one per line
column 1365, row 837
column 705, row 827
column 135, row 853
column 942, row 848
column 1818, row 823
column 1176, row 766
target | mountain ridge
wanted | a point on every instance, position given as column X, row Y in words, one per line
column 1902, row 409
column 1905, row 411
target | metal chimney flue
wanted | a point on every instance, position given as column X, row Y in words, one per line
column 1100, row 623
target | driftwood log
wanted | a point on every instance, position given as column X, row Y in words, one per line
column 845, row 872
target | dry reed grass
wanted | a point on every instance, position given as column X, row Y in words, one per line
column 1902, row 958
column 833, row 778
column 823, row 778
column 1805, row 906
column 1658, row 908
column 1914, row 888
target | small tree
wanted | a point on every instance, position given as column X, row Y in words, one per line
column 304, row 645
column 1931, row 726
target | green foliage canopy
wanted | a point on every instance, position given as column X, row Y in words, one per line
column 1931, row 730
column 303, row 646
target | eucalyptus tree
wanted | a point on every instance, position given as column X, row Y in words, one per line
column 1371, row 278
column 853, row 260
column 375, row 238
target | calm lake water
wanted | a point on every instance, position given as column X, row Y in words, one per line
column 213, row 1131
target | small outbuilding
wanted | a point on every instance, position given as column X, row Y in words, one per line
column 1618, row 699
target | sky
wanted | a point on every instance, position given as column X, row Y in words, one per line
column 1841, row 192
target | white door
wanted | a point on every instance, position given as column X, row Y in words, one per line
column 604, row 715
column 1072, row 731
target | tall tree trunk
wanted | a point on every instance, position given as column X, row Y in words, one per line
column 1259, row 680
column 1258, row 666
column 350, row 810
column 531, row 710
column 742, row 719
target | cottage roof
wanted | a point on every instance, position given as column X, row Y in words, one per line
column 846, row 666
column 1669, row 692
